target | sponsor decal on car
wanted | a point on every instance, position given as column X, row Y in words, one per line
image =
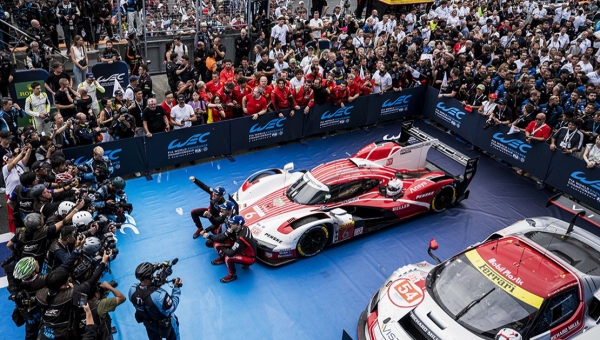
column 255, row 231
column 567, row 329
column 424, row 328
column 418, row 187
column 507, row 273
column 350, row 200
column 404, row 293
column 504, row 283
column 425, row 195
column 400, row 207
column 358, row 231
column 273, row 238
column 278, row 202
column 345, row 231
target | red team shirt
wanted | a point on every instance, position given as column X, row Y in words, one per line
column 255, row 105
column 213, row 87
column 304, row 97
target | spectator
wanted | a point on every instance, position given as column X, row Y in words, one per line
column 68, row 15
column 52, row 83
column 110, row 55
column 13, row 166
column 538, row 129
column 64, row 99
column 182, row 115
column 568, row 139
column 154, row 118
column 591, row 155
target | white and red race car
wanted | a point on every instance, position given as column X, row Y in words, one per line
column 539, row 277
column 296, row 214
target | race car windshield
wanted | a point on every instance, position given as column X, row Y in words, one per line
column 457, row 284
column 308, row 191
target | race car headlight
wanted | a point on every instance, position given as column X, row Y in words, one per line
column 264, row 244
column 374, row 301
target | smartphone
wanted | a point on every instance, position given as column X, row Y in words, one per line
column 82, row 300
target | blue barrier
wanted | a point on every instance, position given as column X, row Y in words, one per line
column 328, row 117
column 267, row 129
column 451, row 114
column 106, row 74
column 127, row 155
column 395, row 105
column 571, row 176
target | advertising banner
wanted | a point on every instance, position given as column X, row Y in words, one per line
column 20, row 89
column 267, row 129
column 451, row 114
column 533, row 158
column 106, row 74
column 570, row 175
column 127, row 155
column 393, row 105
column 329, row 117
column 189, row 144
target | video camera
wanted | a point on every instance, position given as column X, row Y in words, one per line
column 162, row 271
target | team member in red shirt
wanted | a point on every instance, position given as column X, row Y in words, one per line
column 329, row 86
column 227, row 74
column 226, row 96
column 305, row 96
column 168, row 103
column 215, row 84
column 267, row 90
column 254, row 104
column 367, row 85
column 205, row 96
column 353, row 88
column 239, row 92
column 255, row 81
column 282, row 98
column 339, row 95
column 314, row 73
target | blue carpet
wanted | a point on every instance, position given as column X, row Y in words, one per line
column 316, row 298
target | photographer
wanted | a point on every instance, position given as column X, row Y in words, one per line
column 10, row 112
column 123, row 125
column 85, row 132
column 101, row 305
column 99, row 167
column 28, row 281
column 64, row 250
column 46, row 201
column 13, row 168
column 154, row 306
column 60, row 294
column 37, row 58
column 20, row 201
column 110, row 199
column 45, row 150
column 62, row 132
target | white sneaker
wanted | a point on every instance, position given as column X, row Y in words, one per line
column 2, row 191
column 137, row 174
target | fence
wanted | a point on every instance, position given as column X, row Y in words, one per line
column 566, row 173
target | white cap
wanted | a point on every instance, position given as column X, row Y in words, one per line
column 301, row 3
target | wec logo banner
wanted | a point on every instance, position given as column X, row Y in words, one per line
column 112, row 155
column 195, row 144
column 587, row 187
column 514, row 148
column 337, row 117
column 193, row 140
column 451, row 115
column 272, row 129
column 397, row 105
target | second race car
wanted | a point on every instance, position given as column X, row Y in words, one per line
column 297, row 214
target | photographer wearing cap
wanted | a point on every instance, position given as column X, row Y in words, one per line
column 154, row 307
column 61, row 295
column 111, row 199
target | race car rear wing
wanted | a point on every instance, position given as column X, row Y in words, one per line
column 470, row 164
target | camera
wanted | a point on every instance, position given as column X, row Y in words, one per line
column 162, row 272
column 103, row 291
column 489, row 124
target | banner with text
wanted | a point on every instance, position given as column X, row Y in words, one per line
column 452, row 115
column 127, row 155
column 267, row 129
column 533, row 158
column 20, row 89
column 395, row 105
column 189, row 144
column 329, row 117
column 570, row 175
column 106, row 74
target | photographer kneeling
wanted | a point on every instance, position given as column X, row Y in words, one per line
column 154, row 306
column 112, row 200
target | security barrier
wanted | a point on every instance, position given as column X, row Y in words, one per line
column 566, row 173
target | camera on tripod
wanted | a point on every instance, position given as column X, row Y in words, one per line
column 162, row 271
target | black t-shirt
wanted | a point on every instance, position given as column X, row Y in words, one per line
column 53, row 80
column 62, row 99
column 84, row 105
column 154, row 119
column 267, row 67
column 453, row 86
column 136, row 112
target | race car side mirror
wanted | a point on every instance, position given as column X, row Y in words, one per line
column 433, row 245
column 288, row 167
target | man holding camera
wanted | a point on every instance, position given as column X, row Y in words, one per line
column 182, row 115
column 154, row 306
column 85, row 132
column 99, row 166
column 110, row 199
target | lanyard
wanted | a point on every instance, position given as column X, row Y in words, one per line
column 568, row 137
column 477, row 98
column 538, row 129
column 595, row 128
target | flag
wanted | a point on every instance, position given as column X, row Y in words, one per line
column 445, row 80
column 513, row 130
column 416, row 74
column 116, row 87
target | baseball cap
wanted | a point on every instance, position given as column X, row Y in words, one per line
column 311, row 48
column 5, row 134
column 481, row 87
column 118, row 93
column 338, row 64
column 89, row 75
column 237, row 220
column 133, row 78
column 227, row 205
column 299, row 39
column 181, row 98
column 493, row 95
column 6, row 157
column 37, row 165
column 501, row 101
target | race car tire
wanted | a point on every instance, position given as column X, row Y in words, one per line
column 312, row 241
column 444, row 198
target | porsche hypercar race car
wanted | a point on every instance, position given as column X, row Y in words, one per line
column 297, row 214
column 536, row 279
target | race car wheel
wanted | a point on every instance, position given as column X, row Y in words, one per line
column 444, row 198
column 312, row 241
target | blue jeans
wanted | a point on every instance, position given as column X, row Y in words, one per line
column 79, row 75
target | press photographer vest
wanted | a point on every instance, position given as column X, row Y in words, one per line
column 35, row 246
column 25, row 204
column 103, row 331
column 145, row 309
column 56, row 313
column 27, row 304
column 83, row 270
column 50, row 261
